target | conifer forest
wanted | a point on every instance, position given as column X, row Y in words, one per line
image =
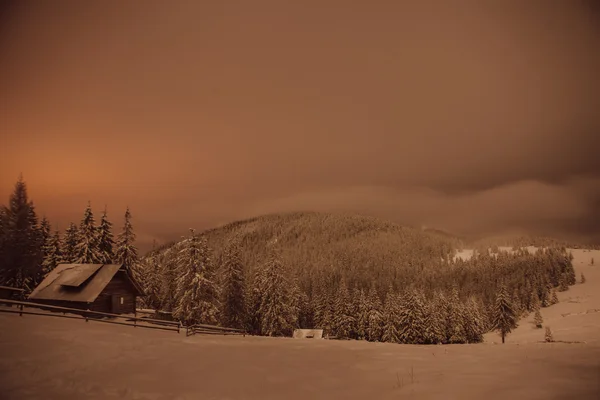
column 354, row 277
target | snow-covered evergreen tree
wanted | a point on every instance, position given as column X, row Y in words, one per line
column 276, row 314
column 391, row 316
column 412, row 318
column 87, row 249
column 434, row 321
column 69, row 244
column 197, row 291
column 126, row 253
column 234, row 288
column 52, row 254
column 548, row 336
column 375, row 322
column 45, row 236
column 106, row 240
column 361, row 314
column 554, row 298
column 583, row 277
column 343, row 320
column 474, row 321
column 457, row 319
column 505, row 318
column 537, row 318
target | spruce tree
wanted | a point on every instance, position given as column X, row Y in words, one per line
column 69, row 245
column 87, row 249
column 554, row 299
column 126, row 253
column 197, row 292
column 412, row 318
column 276, row 314
column 343, row 320
column 457, row 319
column 106, row 240
column 505, row 318
column 362, row 309
column 548, row 336
column 375, row 321
column 582, row 278
column 234, row 288
column 563, row 285
column 474, row 323
column 537, row 318
column 21, row 245
column 391, row 316
column 52, row 254
column 434, row 322
column 45, row 237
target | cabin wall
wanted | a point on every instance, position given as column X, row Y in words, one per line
column 118, row 297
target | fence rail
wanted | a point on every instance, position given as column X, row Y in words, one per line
column 204, row 329
column 89, row 315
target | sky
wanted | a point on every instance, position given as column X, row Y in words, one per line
column 475, row 117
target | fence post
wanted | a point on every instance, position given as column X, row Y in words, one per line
column 21, row 310
column 135, row 323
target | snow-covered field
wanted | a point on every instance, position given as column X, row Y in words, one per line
column 53, row 358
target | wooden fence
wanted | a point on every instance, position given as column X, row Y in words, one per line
column 88, row 315
column 212, row 330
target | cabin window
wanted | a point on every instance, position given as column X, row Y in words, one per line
column 121, row 300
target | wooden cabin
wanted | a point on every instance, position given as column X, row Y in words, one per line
column 107, row 288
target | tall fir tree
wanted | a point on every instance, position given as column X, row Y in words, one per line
column 234, row 288
column 391, row 316
column 537, row 318
column 197, row 291
column 21, row 247
column 276, row 313
column 343, row 320
column 45, row 237
column 87, row 249
column 375, row 321
column 361, row 307
column 505, row 318
column 106, row 240
column 434, row 321
column 412, row 318
column 69, row 244
column 52, row 254
column 126, row 253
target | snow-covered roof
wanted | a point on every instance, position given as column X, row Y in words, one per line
column 78, row 282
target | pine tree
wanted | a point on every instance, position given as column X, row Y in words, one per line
column 549, row 337
column 45, row 237
column 554, row 299
column 563, row 285
column 234, row 286
column 343, row 319
column 582, row 278
column 537, row 318
column 474, row 324
column 505, row 319
column 21, row 247
column 87, row 249
column 276, row 315
column 126, row 253
column 52, row 254
column 434, row 321
column 106, row 241
column 391, row 316
column 412, row 318
column 69, row 248
column 375, row 321
column 457, row 319
column 535, row 301
column 197, row 293
column 361, row 307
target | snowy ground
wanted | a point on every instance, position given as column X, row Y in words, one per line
column 52, row 358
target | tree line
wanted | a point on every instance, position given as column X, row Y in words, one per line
column 456, row 301
column 30, row 249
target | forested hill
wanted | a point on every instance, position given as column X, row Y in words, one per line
column 365, row 247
